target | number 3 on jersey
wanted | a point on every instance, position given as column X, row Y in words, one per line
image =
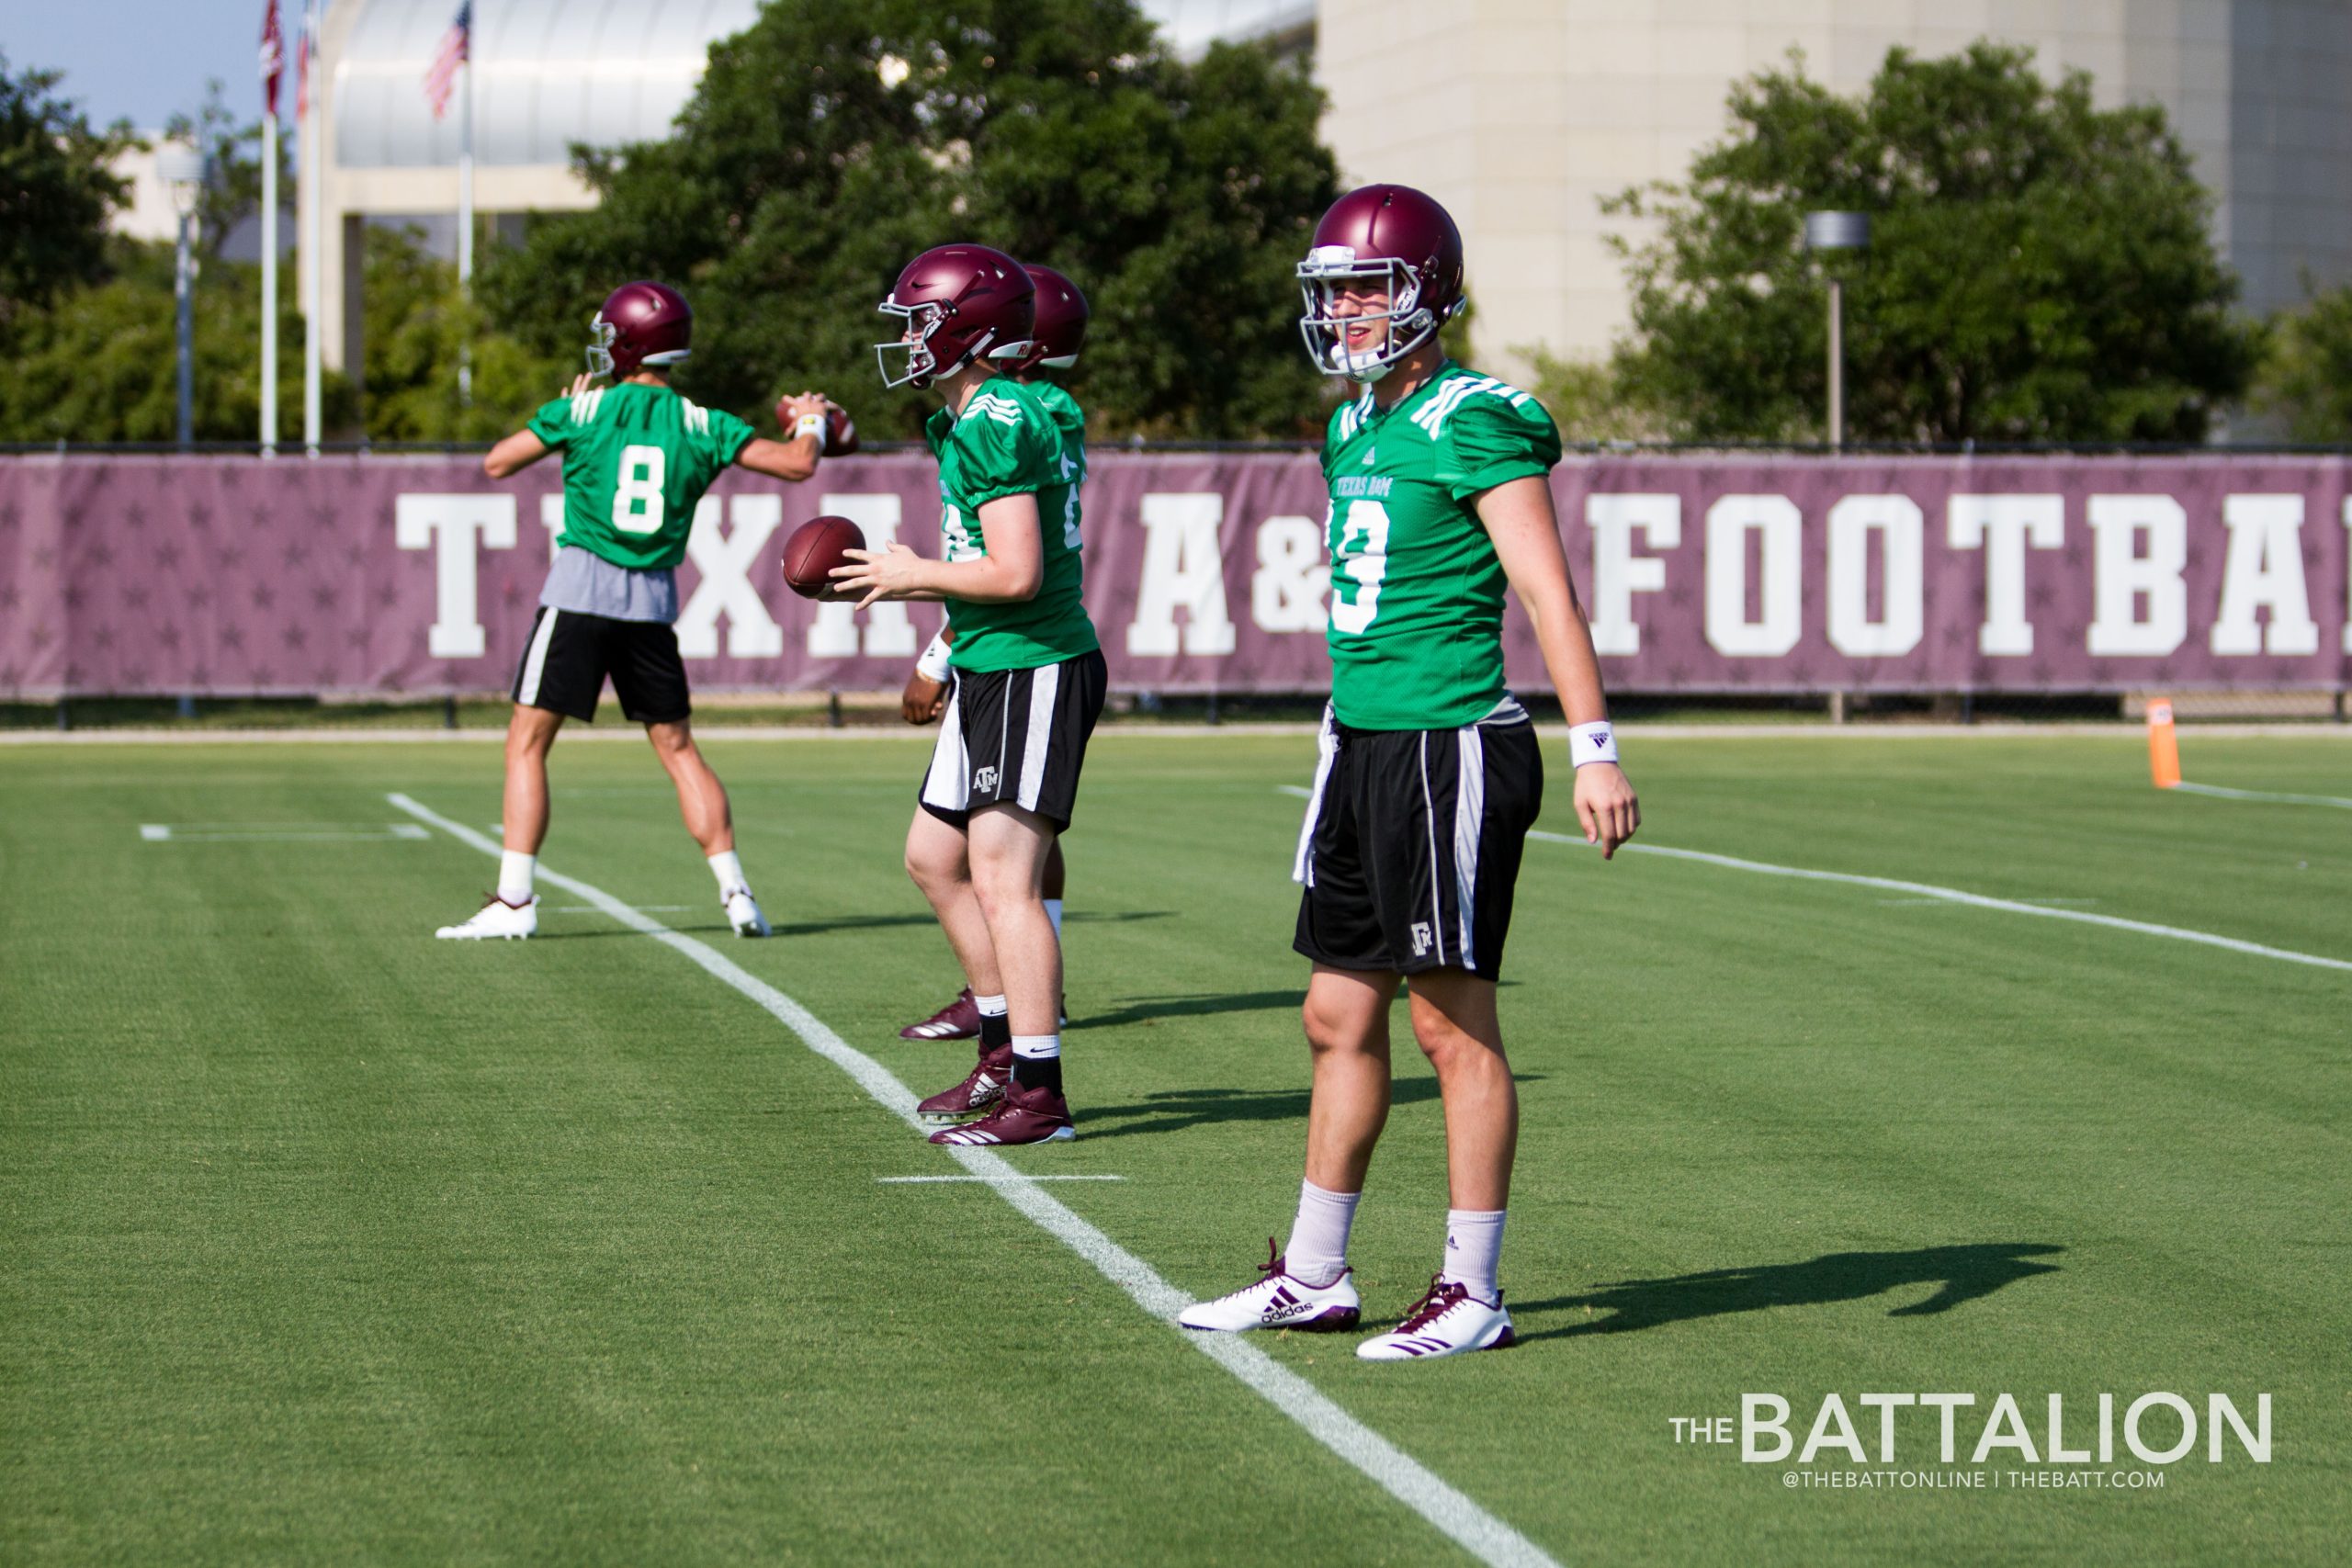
column 637, row 490
column 1359, row 560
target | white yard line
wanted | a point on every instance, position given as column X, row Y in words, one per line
column 2224, row 793
column 271, row 833
column 925, row 1181
column 1397, row 1473
column 1946, row 895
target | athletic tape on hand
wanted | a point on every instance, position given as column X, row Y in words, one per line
column 933, row 665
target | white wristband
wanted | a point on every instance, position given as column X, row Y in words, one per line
column 809, row 424
column 933, row 665
column 1592, row 743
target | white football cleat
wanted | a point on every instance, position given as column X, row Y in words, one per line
column 496, row 919
column 1448, row 1320
column 744, row 913
column 1280, row 1300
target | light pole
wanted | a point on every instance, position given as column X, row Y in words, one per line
column 1837, row 231
column 182, row 169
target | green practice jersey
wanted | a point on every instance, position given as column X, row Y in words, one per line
column 1068, row 416
column 1008, row 441
column 1416, row 589
column 636, row 459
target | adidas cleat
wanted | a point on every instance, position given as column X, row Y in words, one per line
column 744, row 913
column 1022, row 1116
column 496, row 920
column 1448, row 1321
column 977, row 1094
column 1280, row 1300
column 959, row 1019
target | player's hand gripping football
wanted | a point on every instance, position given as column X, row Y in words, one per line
column 924, row 699
column 1606, row 806
column 891, row 573
column 792, row 405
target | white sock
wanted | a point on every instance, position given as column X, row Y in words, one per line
column 514, row 869
column 730, row 872
column 1318, row 1253
column 1037, row 1047
column 1473, row 1246
column 991, row 1007
column 1054, row 913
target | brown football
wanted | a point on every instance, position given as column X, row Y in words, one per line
column 815, row 548
column 840, row 434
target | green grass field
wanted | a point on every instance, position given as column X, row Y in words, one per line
column 320, row 1241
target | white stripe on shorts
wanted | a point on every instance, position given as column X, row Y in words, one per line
column 1045, row 686
column 1429, row 821
column 534, row 663
column 1469, row 810
column 1326, row 748
column 949, row 784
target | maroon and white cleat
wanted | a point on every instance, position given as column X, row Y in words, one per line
column 959, row 1019
column 1023, row 1116
column 1280, row 1300
column 979, row 1092
column 1448, row 1320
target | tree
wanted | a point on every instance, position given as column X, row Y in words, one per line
column 96, row 360
column 99, row 363
column 2306, row 382
column 827, row 145
column 55, row 192
column 417, row 332
column 2040, row 269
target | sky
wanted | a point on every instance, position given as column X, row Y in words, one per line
column 143, row 60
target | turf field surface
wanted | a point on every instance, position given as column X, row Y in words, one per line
column 325, row 1240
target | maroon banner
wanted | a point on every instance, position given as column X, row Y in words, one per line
column 354, row 575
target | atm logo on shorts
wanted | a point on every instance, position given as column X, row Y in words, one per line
column 984, row 781
column 1421, row 939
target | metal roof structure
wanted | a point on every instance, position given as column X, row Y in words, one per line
column 546, row 73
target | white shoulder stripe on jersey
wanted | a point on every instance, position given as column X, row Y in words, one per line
column 583, row 406
column 1441, row 407
column 698, row 417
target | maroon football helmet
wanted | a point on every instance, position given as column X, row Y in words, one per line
column 1387, row 237
column 1060, row 328
column 959, row 303
column 640, row 324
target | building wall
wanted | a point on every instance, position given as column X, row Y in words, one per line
column 1522, row 114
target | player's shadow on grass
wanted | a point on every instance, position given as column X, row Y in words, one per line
column 1142, row 1009
column 1181, row 1110
column 1958, row 1273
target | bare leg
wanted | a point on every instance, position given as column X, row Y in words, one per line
column 1008, row 856
column 702, row 800
column 938, row 860
column 1347, row 1032
column 1056, row 873
column 529, row 733
column 1453, row 1019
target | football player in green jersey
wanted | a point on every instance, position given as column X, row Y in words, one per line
column 1056, row 337
column 1429, row 777
column 637, row 457
column 1027, row 676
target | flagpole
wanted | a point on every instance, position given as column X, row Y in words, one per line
column 269, row 278
column 466, row 208
column 313, row 294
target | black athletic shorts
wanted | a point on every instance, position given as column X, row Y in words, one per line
column 1411, row 846
column 569, row 654
column 1015, row 738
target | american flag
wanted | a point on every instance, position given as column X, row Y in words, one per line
column 273, row 56
column 443, row 75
